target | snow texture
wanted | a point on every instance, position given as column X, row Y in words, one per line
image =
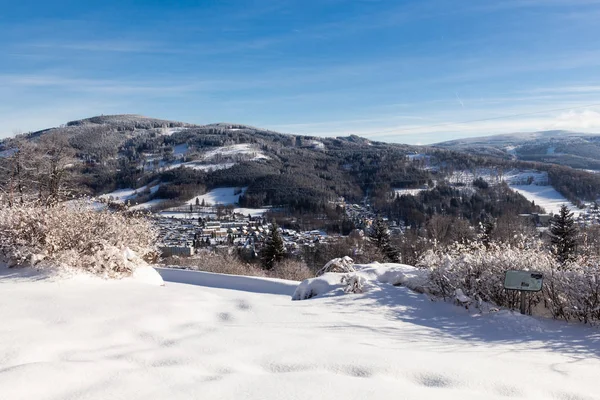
column 95, row 339
column 339, row 265
column 546, row 197
column 408, row 192
column 245, row 149
column 147, row 205
column 225, row 196
column 374, row 278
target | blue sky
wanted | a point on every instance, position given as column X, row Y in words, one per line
column 399, row 71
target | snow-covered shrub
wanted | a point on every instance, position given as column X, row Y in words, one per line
column 570, row 291
column 574, row 292
column 478, row 270
column 366, row 278
column 338, row 265
column 75, row 235
column 219, row 263
column 231, row 264
column 353, row 283
column 329, row 283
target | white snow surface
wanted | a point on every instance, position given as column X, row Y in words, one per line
column 170, row 131
column 96, row 339
column 254, row 212
column 123, row 195
column 376, row 277
column 408, row 192
column 546, row 197
column 147, row 205
column 236, row 149
column 225, row 196
column 532, row 184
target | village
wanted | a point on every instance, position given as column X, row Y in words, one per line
column 183, row 235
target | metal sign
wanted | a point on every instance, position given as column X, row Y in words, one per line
column 527, row 281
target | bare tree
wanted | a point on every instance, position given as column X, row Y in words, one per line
column 56, row 158
column 17, row 171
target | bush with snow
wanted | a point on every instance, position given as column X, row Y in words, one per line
column 570, row 291
column 219, row 263
column 75, row 235
column 338, row 265
column 230, row 264
column 292, row 270
column 365, row 278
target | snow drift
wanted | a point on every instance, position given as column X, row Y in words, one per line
column 100, row 339
column 366, row 277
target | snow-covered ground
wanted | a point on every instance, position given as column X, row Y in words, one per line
column 254, row 212
column 236, row 149
column 532, row 184
column 243, row 338
column 170, row 131
column 225, row 196
column 546, row 197
column 147, row 205
column 411, row 192
column 123, row 195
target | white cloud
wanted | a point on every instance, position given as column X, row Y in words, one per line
column 586, row 120
column 440, row 127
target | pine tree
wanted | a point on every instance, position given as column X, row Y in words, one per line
column 563, row 235
column 487, row 228
column 274, row 250
column 380, row 237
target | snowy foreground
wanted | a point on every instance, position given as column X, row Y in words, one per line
column 244, row 338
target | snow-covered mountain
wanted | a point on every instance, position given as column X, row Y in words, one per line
column 578, row 150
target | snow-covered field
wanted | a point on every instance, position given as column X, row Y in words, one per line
column 254, row 212
column 147, row 205
column 533, row 185
column 236, row 149
column 123, row 195
column 225, row 196
column 243, row 338
column 546, row 197
column 407, row 192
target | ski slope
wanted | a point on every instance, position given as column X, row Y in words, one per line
column 227, row 337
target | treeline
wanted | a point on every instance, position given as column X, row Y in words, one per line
column 480, row 205
column 574, row 184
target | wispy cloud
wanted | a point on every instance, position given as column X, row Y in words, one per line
column 566, row 89
column 111, row 46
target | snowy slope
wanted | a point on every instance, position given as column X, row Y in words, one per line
column 93, row 339
column 546, row 197
column 244, row 149
column 225, row 196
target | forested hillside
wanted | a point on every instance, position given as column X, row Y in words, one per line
column 291, row 173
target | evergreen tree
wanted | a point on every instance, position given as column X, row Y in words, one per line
column 563, row 235
column 274, row 250
column 380, row 237
column 487, row 228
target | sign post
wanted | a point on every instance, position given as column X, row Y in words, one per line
column 523, row 281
